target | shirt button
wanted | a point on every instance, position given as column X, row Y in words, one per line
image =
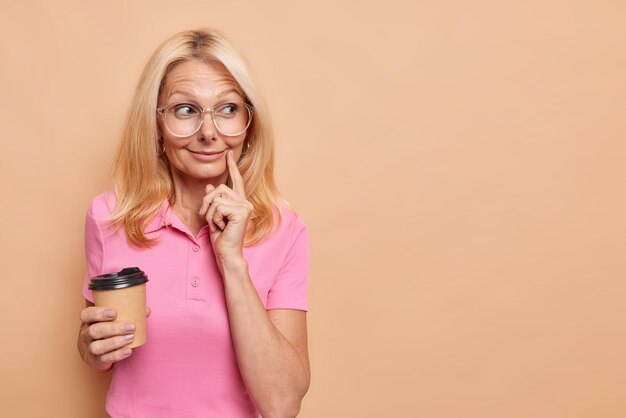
column 195, row 283
column 196, row 248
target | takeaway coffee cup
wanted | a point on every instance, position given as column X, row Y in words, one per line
column 124, row 291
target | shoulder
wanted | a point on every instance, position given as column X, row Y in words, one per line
column 102, row 206
column 286, row 217
column 288, row 224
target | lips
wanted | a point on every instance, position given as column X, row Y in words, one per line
column 207, row 152
column 207, row 156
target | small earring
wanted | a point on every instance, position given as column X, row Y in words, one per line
column 247, row 147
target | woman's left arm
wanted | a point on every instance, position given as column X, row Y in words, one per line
column 271, row 346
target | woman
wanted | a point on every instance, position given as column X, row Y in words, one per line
column 196, row 207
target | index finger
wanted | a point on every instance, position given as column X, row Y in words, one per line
column 235, row 175
column 97, row 314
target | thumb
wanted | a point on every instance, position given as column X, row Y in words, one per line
column 214, row 234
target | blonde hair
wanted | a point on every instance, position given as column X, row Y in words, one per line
column 141, row 173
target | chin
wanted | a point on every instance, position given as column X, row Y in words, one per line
column 211, row 174
column 198, row 173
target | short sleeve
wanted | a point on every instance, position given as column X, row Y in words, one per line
column 94, row 252
column 289, row 290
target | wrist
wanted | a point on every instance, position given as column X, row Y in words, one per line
column 233, row 264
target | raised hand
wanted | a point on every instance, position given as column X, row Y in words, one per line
column 227, row 211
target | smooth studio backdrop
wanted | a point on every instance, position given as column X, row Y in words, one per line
column 460, row 166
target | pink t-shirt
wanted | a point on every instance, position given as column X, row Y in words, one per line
column 187, row 368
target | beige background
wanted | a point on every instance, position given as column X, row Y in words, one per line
column 460, row 166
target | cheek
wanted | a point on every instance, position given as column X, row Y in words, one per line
column 237, row 147
column 174, row 148
column 236, row 143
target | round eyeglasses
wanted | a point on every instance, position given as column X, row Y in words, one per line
column 185, row 119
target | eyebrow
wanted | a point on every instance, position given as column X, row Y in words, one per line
column 187, row 93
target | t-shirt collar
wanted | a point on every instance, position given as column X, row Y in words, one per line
column 165, row 217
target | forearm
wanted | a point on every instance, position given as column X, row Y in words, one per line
column 273, row 371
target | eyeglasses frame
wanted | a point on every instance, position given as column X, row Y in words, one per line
column 162, row 110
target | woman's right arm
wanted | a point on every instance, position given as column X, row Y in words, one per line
column 101, row 340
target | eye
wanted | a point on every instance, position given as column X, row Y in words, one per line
column 227, row 109
column 185, row 110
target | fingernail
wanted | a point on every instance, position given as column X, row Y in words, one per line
column 109, row 313
column 129, row 337
column 129, row 327
column 126, row 352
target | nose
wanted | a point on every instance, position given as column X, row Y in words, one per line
column 207, row 131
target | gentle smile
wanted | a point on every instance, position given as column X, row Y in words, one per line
column 207, row 155
column 207, row 152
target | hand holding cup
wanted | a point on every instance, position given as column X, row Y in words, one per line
column 102, row 340
column 117, row 322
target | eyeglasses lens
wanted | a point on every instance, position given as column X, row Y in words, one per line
column 184, row 119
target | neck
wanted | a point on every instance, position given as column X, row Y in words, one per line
column 189, row 192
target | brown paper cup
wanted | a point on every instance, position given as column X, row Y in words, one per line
column 130, row 305
column 124, row 291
